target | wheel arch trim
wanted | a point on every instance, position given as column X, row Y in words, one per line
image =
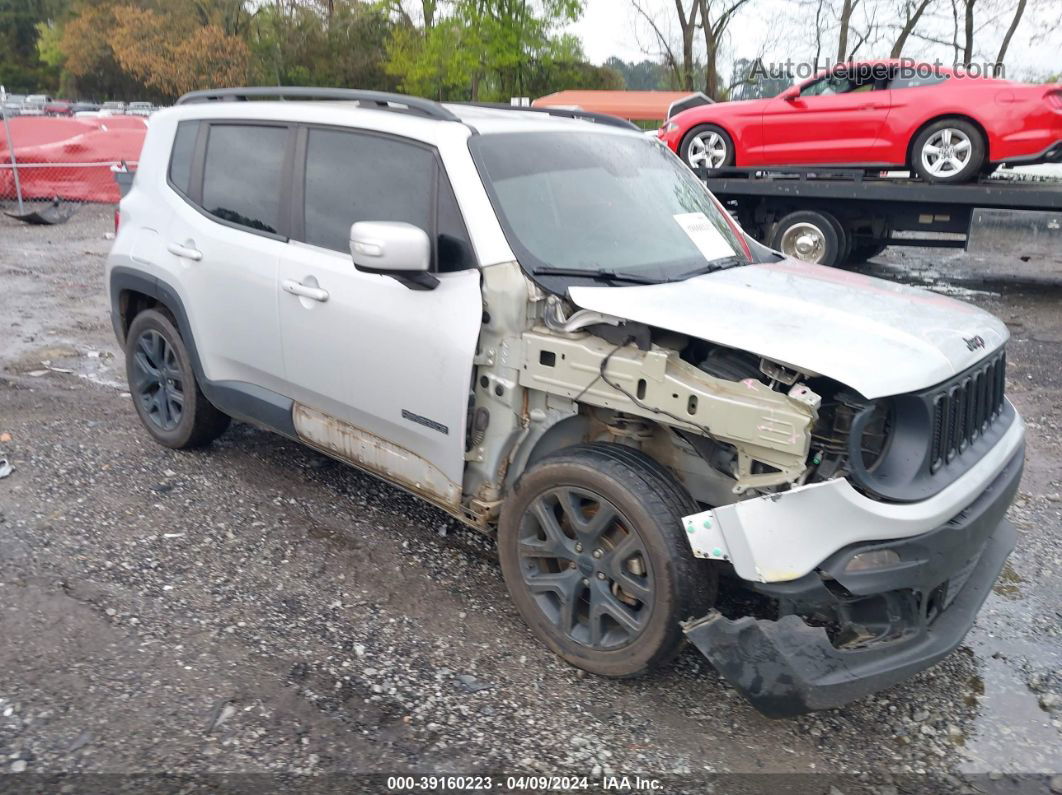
column 961, row 116
column 707, row 123
column 241, row 400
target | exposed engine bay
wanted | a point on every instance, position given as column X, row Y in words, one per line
column 730, row 424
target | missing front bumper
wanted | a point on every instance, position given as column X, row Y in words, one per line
column 913, row 613
column 786, row 667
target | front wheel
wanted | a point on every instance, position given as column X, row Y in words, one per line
column 707, row 146
column 594, row 555
column 948, row 151
column 166, row 395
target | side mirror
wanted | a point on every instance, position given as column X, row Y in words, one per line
column 393, row 248
column 791, row 93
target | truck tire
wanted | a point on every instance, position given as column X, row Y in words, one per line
column 811, row 236
column 595, row 558
column 165, row 392
column 948, row 151
column 861, row 252
column 707, row 146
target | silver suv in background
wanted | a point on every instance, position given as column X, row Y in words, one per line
column 552, row 331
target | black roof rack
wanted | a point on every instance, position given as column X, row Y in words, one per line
column 568, row 113
column 381, row 99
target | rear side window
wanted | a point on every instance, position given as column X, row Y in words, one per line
column 353, row 177
column 914, row 79
column 243, row 174
column 183, row 151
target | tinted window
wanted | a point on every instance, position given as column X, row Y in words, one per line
column 353, row 177
column 911, row 79
column 183, row 150
column 242, row 179
column 838, row 84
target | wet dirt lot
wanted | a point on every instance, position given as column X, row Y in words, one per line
column 257, row 607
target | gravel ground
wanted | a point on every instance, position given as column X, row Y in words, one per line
column 259, row 608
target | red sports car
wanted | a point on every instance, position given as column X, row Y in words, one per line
column 943, row 125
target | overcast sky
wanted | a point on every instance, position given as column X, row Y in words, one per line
column 611, row 27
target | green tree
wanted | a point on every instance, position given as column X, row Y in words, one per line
column 21, row 69
column 336, row 43
column 491, row 50
column 645, row 75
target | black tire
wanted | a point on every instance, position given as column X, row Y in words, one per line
column 959, row 133
column 165, row 392
column 827, row 240
column 644, row 550
column 701, row 132
column 845, row 240
column 861, row 252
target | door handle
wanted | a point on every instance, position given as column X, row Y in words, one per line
column 304, row 291
column 185, row 252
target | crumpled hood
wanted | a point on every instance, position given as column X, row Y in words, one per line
column 876, row 337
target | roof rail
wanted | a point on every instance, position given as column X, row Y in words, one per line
column 568, row 113
column 382, row 99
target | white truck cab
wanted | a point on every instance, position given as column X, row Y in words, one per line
column 548, row 327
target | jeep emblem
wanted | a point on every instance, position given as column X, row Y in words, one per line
column 975, row 342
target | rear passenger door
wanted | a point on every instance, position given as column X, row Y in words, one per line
column 391, row 361
column 225, row 240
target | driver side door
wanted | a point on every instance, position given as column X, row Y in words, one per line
column 381, row 371
column 836, row 120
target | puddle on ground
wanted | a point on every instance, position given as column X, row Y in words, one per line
column 99, row 367
column 1011, row 733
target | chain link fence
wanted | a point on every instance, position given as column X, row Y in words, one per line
column 49, row 162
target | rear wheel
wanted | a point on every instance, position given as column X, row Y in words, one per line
column 594, row 555
column 166, row 395
column 811, row 236
column 707, row 146
column 949, row 151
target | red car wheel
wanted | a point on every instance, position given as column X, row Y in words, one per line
column 948, row 150
column 707, row 146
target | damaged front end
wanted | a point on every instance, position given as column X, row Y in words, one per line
column 868, row 616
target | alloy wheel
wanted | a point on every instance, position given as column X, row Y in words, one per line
column 157, row 380
column 707, row 149
column 586, row 568
column 946, row 152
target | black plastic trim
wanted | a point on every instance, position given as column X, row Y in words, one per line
column 566, row 113
column 787, row 666
column 243, row 401
column 381, row 99
column 906, row 472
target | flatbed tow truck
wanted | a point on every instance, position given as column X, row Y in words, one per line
column 835, row 216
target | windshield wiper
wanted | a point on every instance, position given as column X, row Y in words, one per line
column 598, row 274
column 720, row 264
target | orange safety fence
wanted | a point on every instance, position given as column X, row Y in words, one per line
column 69, row 159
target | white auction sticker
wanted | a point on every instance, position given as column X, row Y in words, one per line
column 708, row 240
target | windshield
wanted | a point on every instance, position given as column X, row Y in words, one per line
column 600, row 204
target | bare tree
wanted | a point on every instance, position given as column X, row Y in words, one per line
column 716, row 16
column 845, row 21
column 912, row 10
column 681, row 71
column 1014, row 22
column 968, row 32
